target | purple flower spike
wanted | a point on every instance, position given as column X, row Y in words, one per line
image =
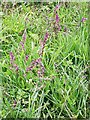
column 38, row 60
column 57, row 18
column 83, row 19
column 46, row 37
column 57, row 26
column 12, row 58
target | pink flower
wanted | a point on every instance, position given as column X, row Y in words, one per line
column 12, row 58
column 57, row 22
column 26, row 57
column 56, row 8
column 29, row 68
column 39, row 73
column 83, row 19
column 38, row 60
column 16, row 67
column 14, row 103
column 59, row 27
column 46, row 36
column 33, row 64
column 57, row 18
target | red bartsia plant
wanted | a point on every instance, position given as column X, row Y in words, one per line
column 33, row 64
column 57, row 27
column 38, row 62
column 57, row 22
column 12, row 57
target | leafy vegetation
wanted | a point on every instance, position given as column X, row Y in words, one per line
column 44, row 60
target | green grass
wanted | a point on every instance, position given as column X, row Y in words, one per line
column 63, row 90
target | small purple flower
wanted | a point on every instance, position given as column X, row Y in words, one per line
column 16, row 67
column 65, row 29
column 83, row 19
column 57, row 18
column 33, row 64
column 39, row 73
column 12, row 58
column 57, row 27
column 38, row 60
column 42, row 68
column 26, row 57
column 14, row 103
column 29, row 68
column 22, row 44
column 56, row 8
column 46, row 36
